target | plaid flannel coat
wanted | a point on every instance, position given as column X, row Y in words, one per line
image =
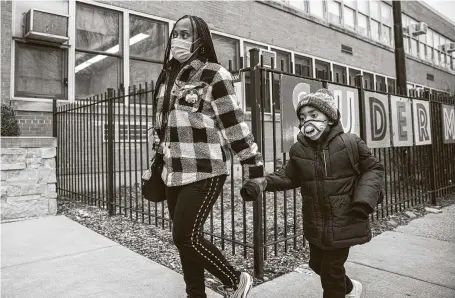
column 204, row 122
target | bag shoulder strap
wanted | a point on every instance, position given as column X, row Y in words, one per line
column 353, row 150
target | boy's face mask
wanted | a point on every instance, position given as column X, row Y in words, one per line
column 181, row 49
column 313, row 129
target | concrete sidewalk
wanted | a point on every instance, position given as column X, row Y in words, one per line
column 57, row 257
column 417, row 260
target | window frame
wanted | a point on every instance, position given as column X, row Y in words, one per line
column 65, row 72
column 121, row 53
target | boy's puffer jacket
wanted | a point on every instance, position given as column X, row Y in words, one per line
column 327, row 182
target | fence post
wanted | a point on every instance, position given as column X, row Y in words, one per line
column 359, row 85
column 432, row 160
column 110, row 152
column 54, row 134
column 258, row 238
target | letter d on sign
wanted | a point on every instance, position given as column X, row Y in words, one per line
column 378, row 119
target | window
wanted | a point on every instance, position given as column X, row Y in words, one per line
column 303, row 66
column 350, row 3
column 368, row 80
column 322, row 69
column 436, row 56
column 339, row 74
column 375, row 34
column 409, row 87
column 317, row 8
column 362, row 25
column 414, row 47
column 349, row 18
column 422, row 51
column 363, row 7
column 40, row 71
column 352, row 76
column 148, row 39
column 380, row 83
column 429, row 37
column 386, row 35
column 391, row 88
column 98, row 50
column 406, row 45
column 283, row 60
column 227, row 49
column 247, row 47
column 334, row 9
column 386, row 14
column 375, row 9
column 299, row 4
column 283, row 63
column 436, row 42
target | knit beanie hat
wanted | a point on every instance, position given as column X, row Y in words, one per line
column 322, row 100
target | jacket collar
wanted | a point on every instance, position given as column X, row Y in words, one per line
column 333, row 132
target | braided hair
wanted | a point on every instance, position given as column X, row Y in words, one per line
column 205, row 52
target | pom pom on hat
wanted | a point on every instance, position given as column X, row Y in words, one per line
column 322, row 100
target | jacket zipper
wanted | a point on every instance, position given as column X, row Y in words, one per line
column 321, row 197
column 325, row 163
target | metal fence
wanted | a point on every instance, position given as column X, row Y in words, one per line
column 103, row 148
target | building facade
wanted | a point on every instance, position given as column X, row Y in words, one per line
column 121, row 43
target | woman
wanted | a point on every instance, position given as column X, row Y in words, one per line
column 198, row 118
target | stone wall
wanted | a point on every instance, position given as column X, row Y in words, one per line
column 28, row 177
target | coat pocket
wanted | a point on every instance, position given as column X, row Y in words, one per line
column 308, row 210
column 345, row 227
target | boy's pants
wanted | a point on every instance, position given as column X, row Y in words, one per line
column 329, row 265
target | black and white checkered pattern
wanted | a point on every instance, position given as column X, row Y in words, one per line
column 201, row 128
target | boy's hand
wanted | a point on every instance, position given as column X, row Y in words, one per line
column 251, row 190
column 360, row 210
column 262, row 182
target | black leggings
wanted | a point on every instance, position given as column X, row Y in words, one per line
column 329, row 265
column 189, row 206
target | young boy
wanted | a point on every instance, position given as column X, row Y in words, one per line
column 336, row 200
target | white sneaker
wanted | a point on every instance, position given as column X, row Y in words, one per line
column 356, row 289
column 244, row 286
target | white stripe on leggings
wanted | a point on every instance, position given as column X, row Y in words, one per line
column 196, row 230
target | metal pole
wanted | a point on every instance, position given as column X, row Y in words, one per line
column 400, row 55
column 54, row 134
column 258, row 238
column 359, row 80
column 110, row 152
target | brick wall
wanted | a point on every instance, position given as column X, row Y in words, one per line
column 257, row 20
column 416, row 72
column 6, row 8
column 35, row 123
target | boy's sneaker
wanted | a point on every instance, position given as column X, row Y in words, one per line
column 356, row 289
column 244, row 286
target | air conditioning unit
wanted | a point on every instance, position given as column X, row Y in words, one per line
column 268, row 56
column 418, row 29
column 448, row 48
column 46, row 26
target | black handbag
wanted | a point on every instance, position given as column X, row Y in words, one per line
column 153, row 187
